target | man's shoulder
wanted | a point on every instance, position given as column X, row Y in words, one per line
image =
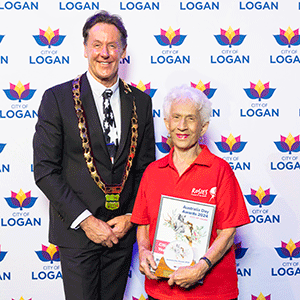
column 61, row 86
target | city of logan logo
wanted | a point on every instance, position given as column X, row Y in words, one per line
column 260, row 197
column 230, row 37
column 239, row 251
column 49, row 38
column 1, row 38
column 48, row 254
column 2, row 254
column 261, row 297
column 288, row 144
column 19, row 92
column 146, row 88
column 259, row 91
column 231, row 144
column 21, row 200
column 289, row 250
column 205, row 88
column 170, row 37
column 288, row 38
column 164, row 146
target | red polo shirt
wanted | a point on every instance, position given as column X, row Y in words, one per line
column 209, row 179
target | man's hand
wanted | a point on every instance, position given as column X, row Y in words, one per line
column 99, row 232
column 120, row 225
column 146, row 260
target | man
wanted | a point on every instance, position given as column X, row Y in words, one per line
column 91, row 147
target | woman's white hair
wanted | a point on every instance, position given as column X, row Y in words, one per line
column 186, row 93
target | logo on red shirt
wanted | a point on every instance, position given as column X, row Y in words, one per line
column 204, row 193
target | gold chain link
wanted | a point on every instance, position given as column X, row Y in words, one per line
column 87, row 151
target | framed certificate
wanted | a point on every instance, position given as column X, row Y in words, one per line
column 182, row 233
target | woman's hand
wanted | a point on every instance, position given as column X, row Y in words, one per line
column 145, row 255
column 185, row 277
column 147, row 261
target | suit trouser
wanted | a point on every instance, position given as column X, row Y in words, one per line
column 99, row 273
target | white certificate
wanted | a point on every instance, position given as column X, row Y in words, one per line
column 182, row 233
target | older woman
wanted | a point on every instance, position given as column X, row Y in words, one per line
column 189, row 167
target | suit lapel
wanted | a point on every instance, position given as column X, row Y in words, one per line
column 126, row 100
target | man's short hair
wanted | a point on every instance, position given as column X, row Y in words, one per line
column 104, row 17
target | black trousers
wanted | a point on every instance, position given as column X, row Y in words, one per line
column 99, row 273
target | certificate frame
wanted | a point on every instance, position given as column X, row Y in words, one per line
column 182, row 233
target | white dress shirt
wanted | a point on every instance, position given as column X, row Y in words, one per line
column 97, row 90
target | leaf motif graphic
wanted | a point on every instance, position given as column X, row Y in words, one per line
column 282, row 252
column 2, row 255
column 268, row 199
column 162, row 40
column 238, row 40
column 284, row 40
column 29, row 202
column 25, row 94
column 222, row 40
column 2, row 147
column 43, row 255
column 56, row 256
column 175, row 39
column 254, row 93
column 11, row 94
column 46, row 255
column 150, row 92
column 251, row 93
column 252, row 199
column 223, row 147
column 264, row 93
column 282, row 147
column 238, row 147
column 296, row 253
column 209, row 92
column 41, row 40
column 269, row 93
column 12, row 202
column 54, row 40
column 163, row 147
column 280, row 41
column 240, row 252
column 296, row 147
column 30, row 94
column 295, row 40
column 178, row 40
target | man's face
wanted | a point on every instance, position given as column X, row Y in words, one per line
column 104, row 50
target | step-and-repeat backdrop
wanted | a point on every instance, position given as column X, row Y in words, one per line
column 244, row 55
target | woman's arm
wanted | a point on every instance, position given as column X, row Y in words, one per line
column 145, row 254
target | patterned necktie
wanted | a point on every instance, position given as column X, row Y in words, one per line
column 109, row 123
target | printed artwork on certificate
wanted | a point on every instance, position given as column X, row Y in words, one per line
column 182, row 233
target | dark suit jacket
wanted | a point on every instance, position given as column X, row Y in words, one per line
column 60, row 169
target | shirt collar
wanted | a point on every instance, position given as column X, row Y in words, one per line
column 99, row 88
column 205, row 158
